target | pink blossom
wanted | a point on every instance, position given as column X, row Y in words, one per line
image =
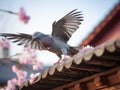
column 25, row 60
column 4, row 43
column 21, row 74
column 18, row 71
column 11, row 85
column 37, row 66
column 29, row 56
column 2, row 88
column 1, row 42
column 86, row 48
column 15, row 68
column 30, row 51
column 20, row 81
column 33, row 77
column 22, row 16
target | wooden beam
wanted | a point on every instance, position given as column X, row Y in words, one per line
column 89, row 68
column 97, row 82
column 118, row 74
column 110, row 75
column 51, row 82
column 73, row 72
column 62, row 74
column 100, row 82
column 64, row 79
column 75, row 87
column 104, row 63
column 110, row 57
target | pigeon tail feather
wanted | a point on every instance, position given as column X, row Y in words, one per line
column 73, row 51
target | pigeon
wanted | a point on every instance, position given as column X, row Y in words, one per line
column 62, row 31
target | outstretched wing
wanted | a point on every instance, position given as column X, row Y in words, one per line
column 66, row 26
column 24, row 39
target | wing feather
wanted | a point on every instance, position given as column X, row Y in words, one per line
column 24, row 39
column 66, row 26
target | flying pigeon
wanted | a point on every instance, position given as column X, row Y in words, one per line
column 62, row 30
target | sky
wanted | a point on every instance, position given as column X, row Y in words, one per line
column 44, row 12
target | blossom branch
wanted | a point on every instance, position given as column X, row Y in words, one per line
column 22, row 14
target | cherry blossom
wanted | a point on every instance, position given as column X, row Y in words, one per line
column 33, row 77
column 86, row 48
column 20, row 81
column 22, row 16
column 15, row 68
column 21, row 75
column 11, row 85
column 37, row 65
column 4, row 43
column 29, row 56
column 2, row 88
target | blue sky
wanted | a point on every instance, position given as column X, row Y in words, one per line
column 44, row 12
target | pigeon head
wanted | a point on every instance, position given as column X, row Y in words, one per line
column 37, row 35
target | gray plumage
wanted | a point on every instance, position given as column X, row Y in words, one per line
column 62, row 30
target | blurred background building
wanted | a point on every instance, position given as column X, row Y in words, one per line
column 108, row 29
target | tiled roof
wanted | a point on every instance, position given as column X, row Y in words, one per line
column 102, row 58
column 112, row 17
